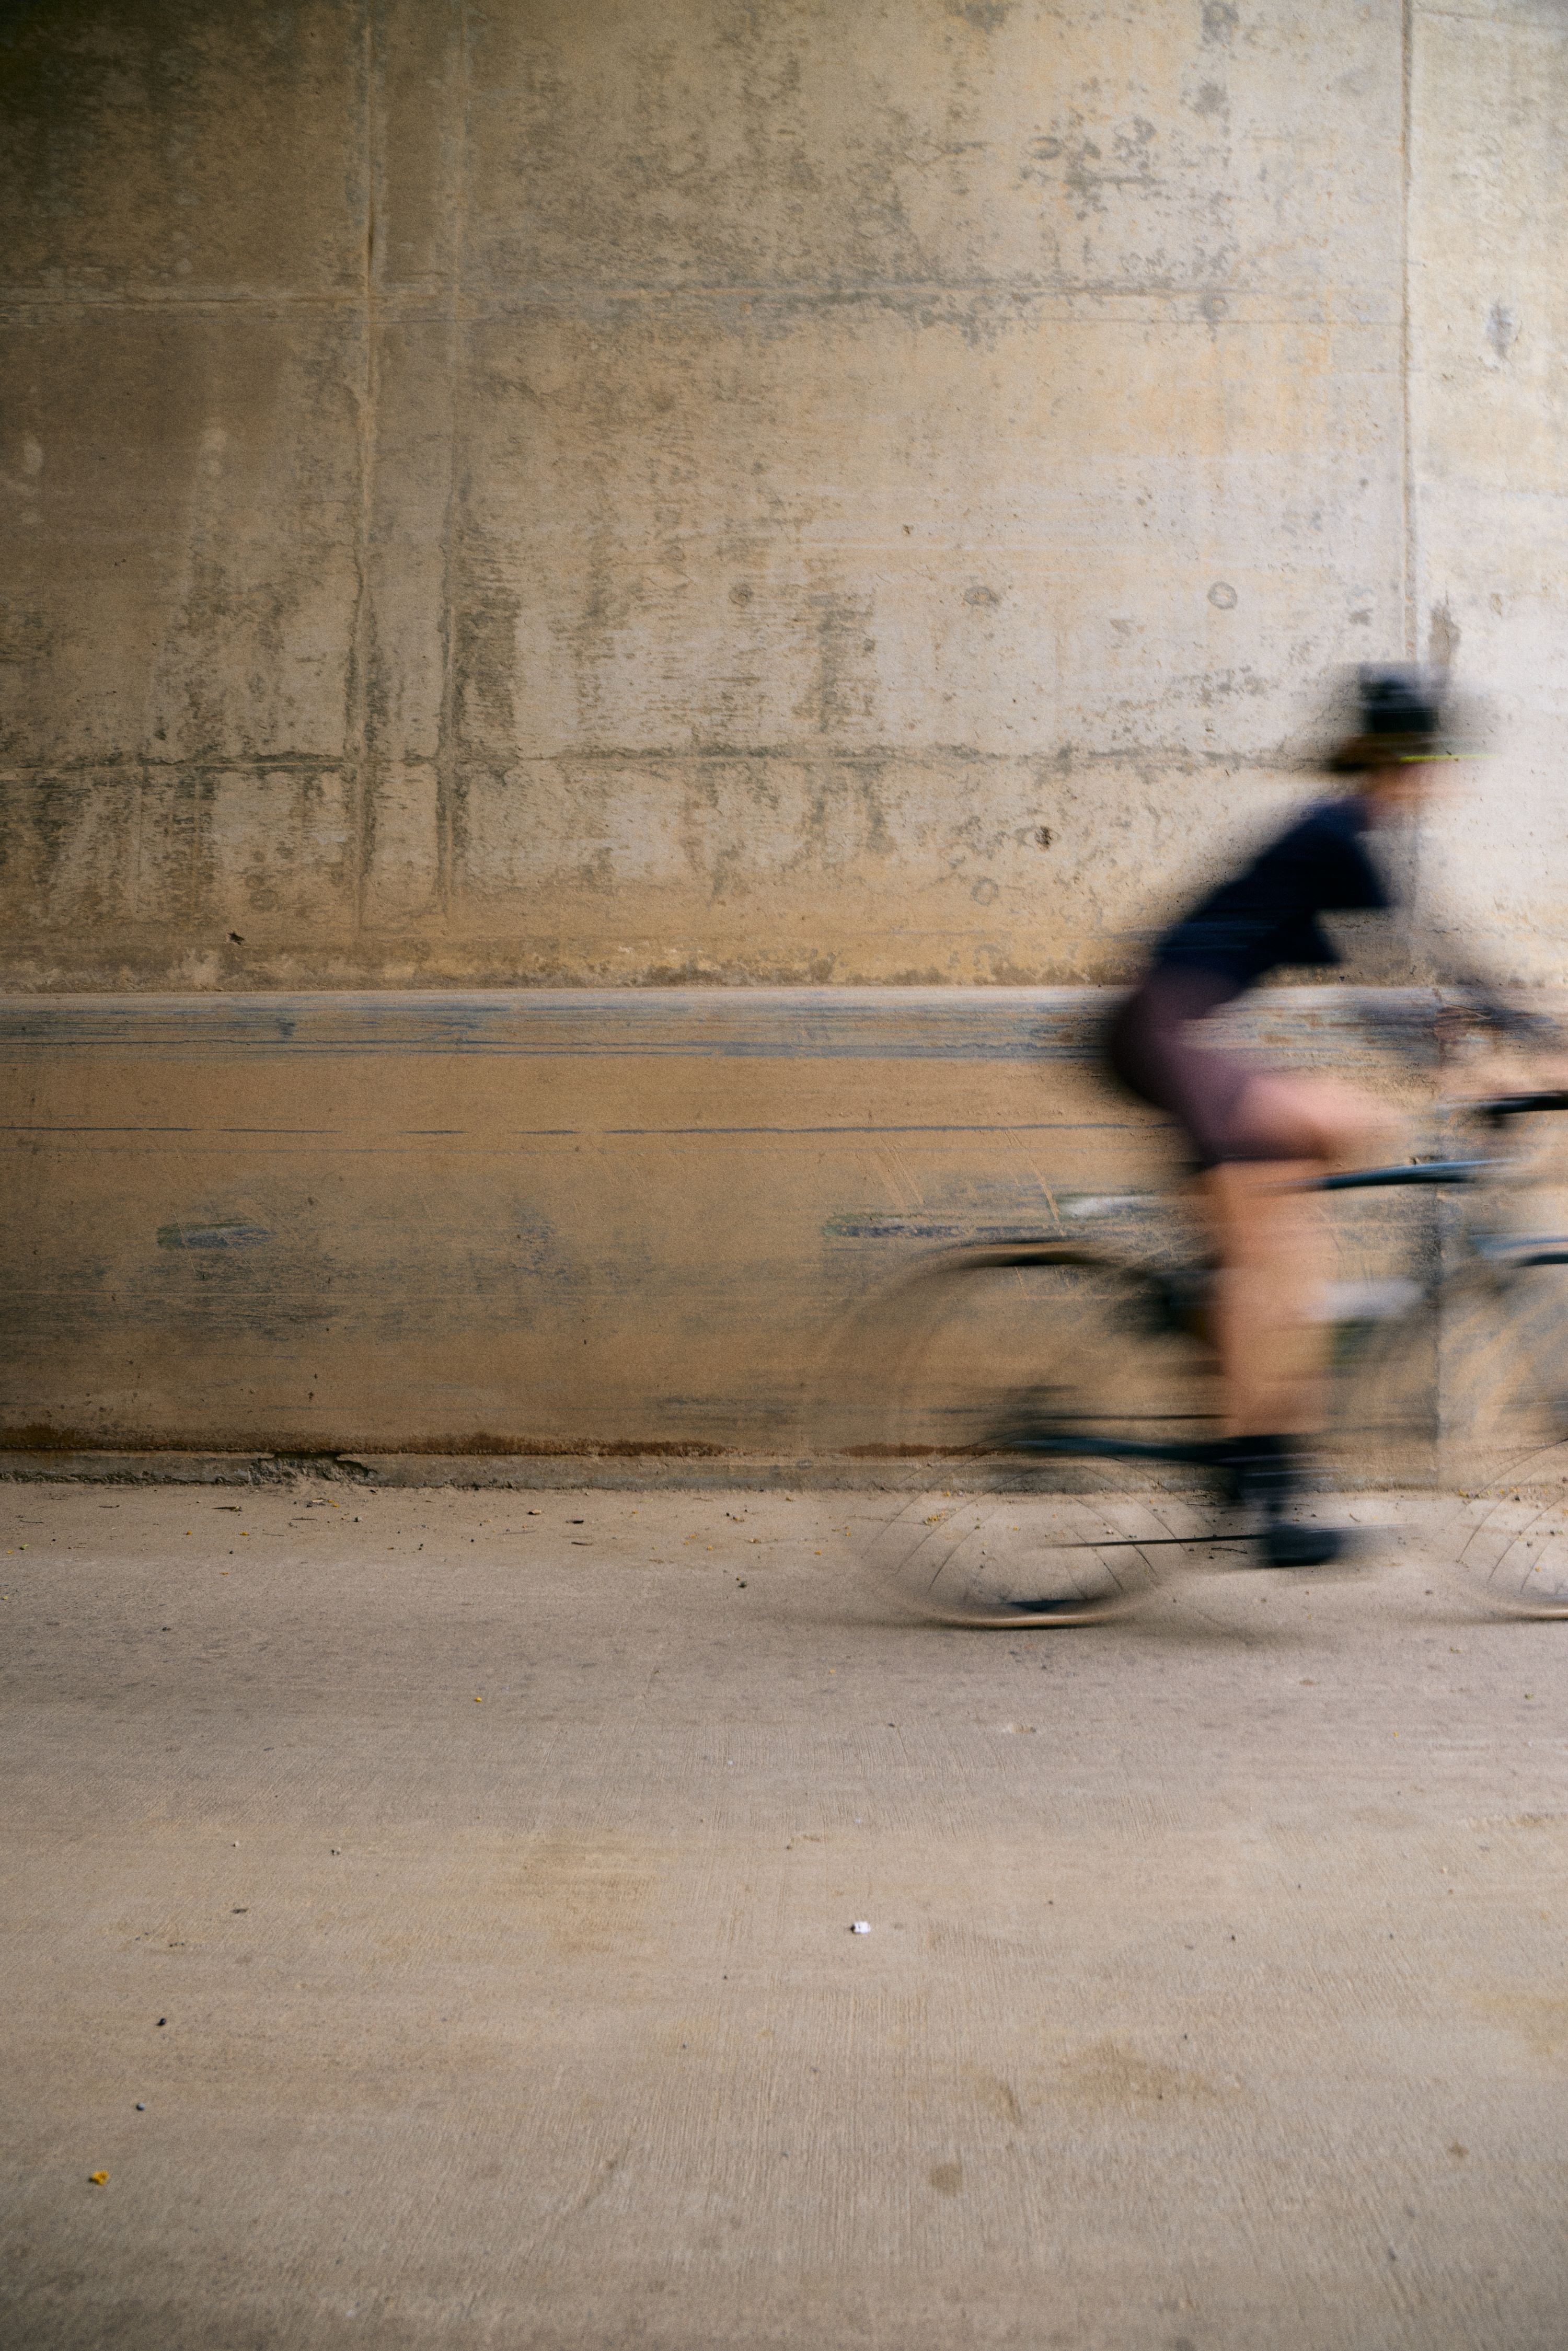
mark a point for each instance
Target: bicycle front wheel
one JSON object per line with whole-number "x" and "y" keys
{"x": 1467, "y": 1388}
{"x": 1512, "y": 1556}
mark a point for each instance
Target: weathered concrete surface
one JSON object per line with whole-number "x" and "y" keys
{"x": 538, "y": 1220}
{"x": 501, "y": 1222}
{"x": 1489, "y": 318}
{"x": 1214, "y": 1995}
{"x": 619, "y": 493}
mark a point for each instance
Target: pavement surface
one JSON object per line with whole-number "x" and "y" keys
{"x": 433, "y": 1914}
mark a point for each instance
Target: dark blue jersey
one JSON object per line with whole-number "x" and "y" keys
{"x": 1268, "y": 916}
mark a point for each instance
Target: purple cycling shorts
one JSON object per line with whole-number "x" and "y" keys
{"x": 1152, "y": 1048}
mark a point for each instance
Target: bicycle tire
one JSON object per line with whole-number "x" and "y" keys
{"x": 1012, "y": 1385}
{"x": 1469, "y": 1393}
{"x": 985, "y": 1561}
{"x": 1512, "y": 1556}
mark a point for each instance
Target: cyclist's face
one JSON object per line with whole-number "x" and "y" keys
{"x": 1398, "y": 795}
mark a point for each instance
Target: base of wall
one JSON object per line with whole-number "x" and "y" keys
{"x": 582, "y": 1473}
{"x": 555, "y": 1473}
{"x": 571, "y": 1473}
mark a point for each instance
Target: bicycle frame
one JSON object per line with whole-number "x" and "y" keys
{"x": 1176, "y": 1291}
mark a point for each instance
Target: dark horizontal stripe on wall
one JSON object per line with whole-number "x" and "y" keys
{"x": 947, "y": 1024}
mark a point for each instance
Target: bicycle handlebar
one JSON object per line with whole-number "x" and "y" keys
{"x": 1495, "y": 1109}
{"x": 1498, "y": 1107}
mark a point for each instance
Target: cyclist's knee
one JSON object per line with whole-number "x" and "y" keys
{"x": 1357, "y": 1130}
{"x": 1316, "y": 1118}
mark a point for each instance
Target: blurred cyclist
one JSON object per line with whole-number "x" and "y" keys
{"x": 1257, "y": 1132}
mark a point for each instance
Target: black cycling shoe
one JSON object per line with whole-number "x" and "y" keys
{"x": 1264, "y": 1478}
{"x": 1281, "y": 1544}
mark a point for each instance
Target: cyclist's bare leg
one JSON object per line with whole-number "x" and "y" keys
{"x": 1271, "y": 1342}
{"x": 1271, "y": 1242}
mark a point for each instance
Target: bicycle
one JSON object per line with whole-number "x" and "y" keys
{"x": 1018, "y": 1366}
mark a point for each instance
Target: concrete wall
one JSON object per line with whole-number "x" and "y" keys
{"x": 1487, "y": 380}
{"x": 848, "y": 490}
{"x": 662, "y": 1222}
{"x": 586, "y": 496}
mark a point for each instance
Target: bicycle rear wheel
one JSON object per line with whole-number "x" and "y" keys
{"x": 1043, "y": 1401}
{"x": 982, "y": 1560}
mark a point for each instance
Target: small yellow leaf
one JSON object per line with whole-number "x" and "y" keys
{"x": 97, "y": 2178}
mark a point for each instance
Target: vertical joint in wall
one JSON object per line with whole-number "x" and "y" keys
{"x": 361, "y": 728}
{"x": 447, "y": 761}
{"x": 1409, "y": 553}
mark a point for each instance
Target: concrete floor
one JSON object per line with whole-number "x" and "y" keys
{"x": 432, "y": 1913}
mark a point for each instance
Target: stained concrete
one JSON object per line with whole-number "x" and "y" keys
{"x": 1213, "y": 1996}
{"x": 558, "y": 1221}
{"x": 619, "y": 494}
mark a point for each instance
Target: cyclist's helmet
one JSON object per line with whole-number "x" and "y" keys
{"x": 1401, "y": 720}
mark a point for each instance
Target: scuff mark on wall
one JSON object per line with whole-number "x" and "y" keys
{"x": 1443, "y": 638}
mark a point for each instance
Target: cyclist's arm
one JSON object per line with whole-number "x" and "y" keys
{"x": 1434, "y": 942}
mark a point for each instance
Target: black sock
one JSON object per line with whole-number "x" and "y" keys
{"x": 1264, "y": 1472}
